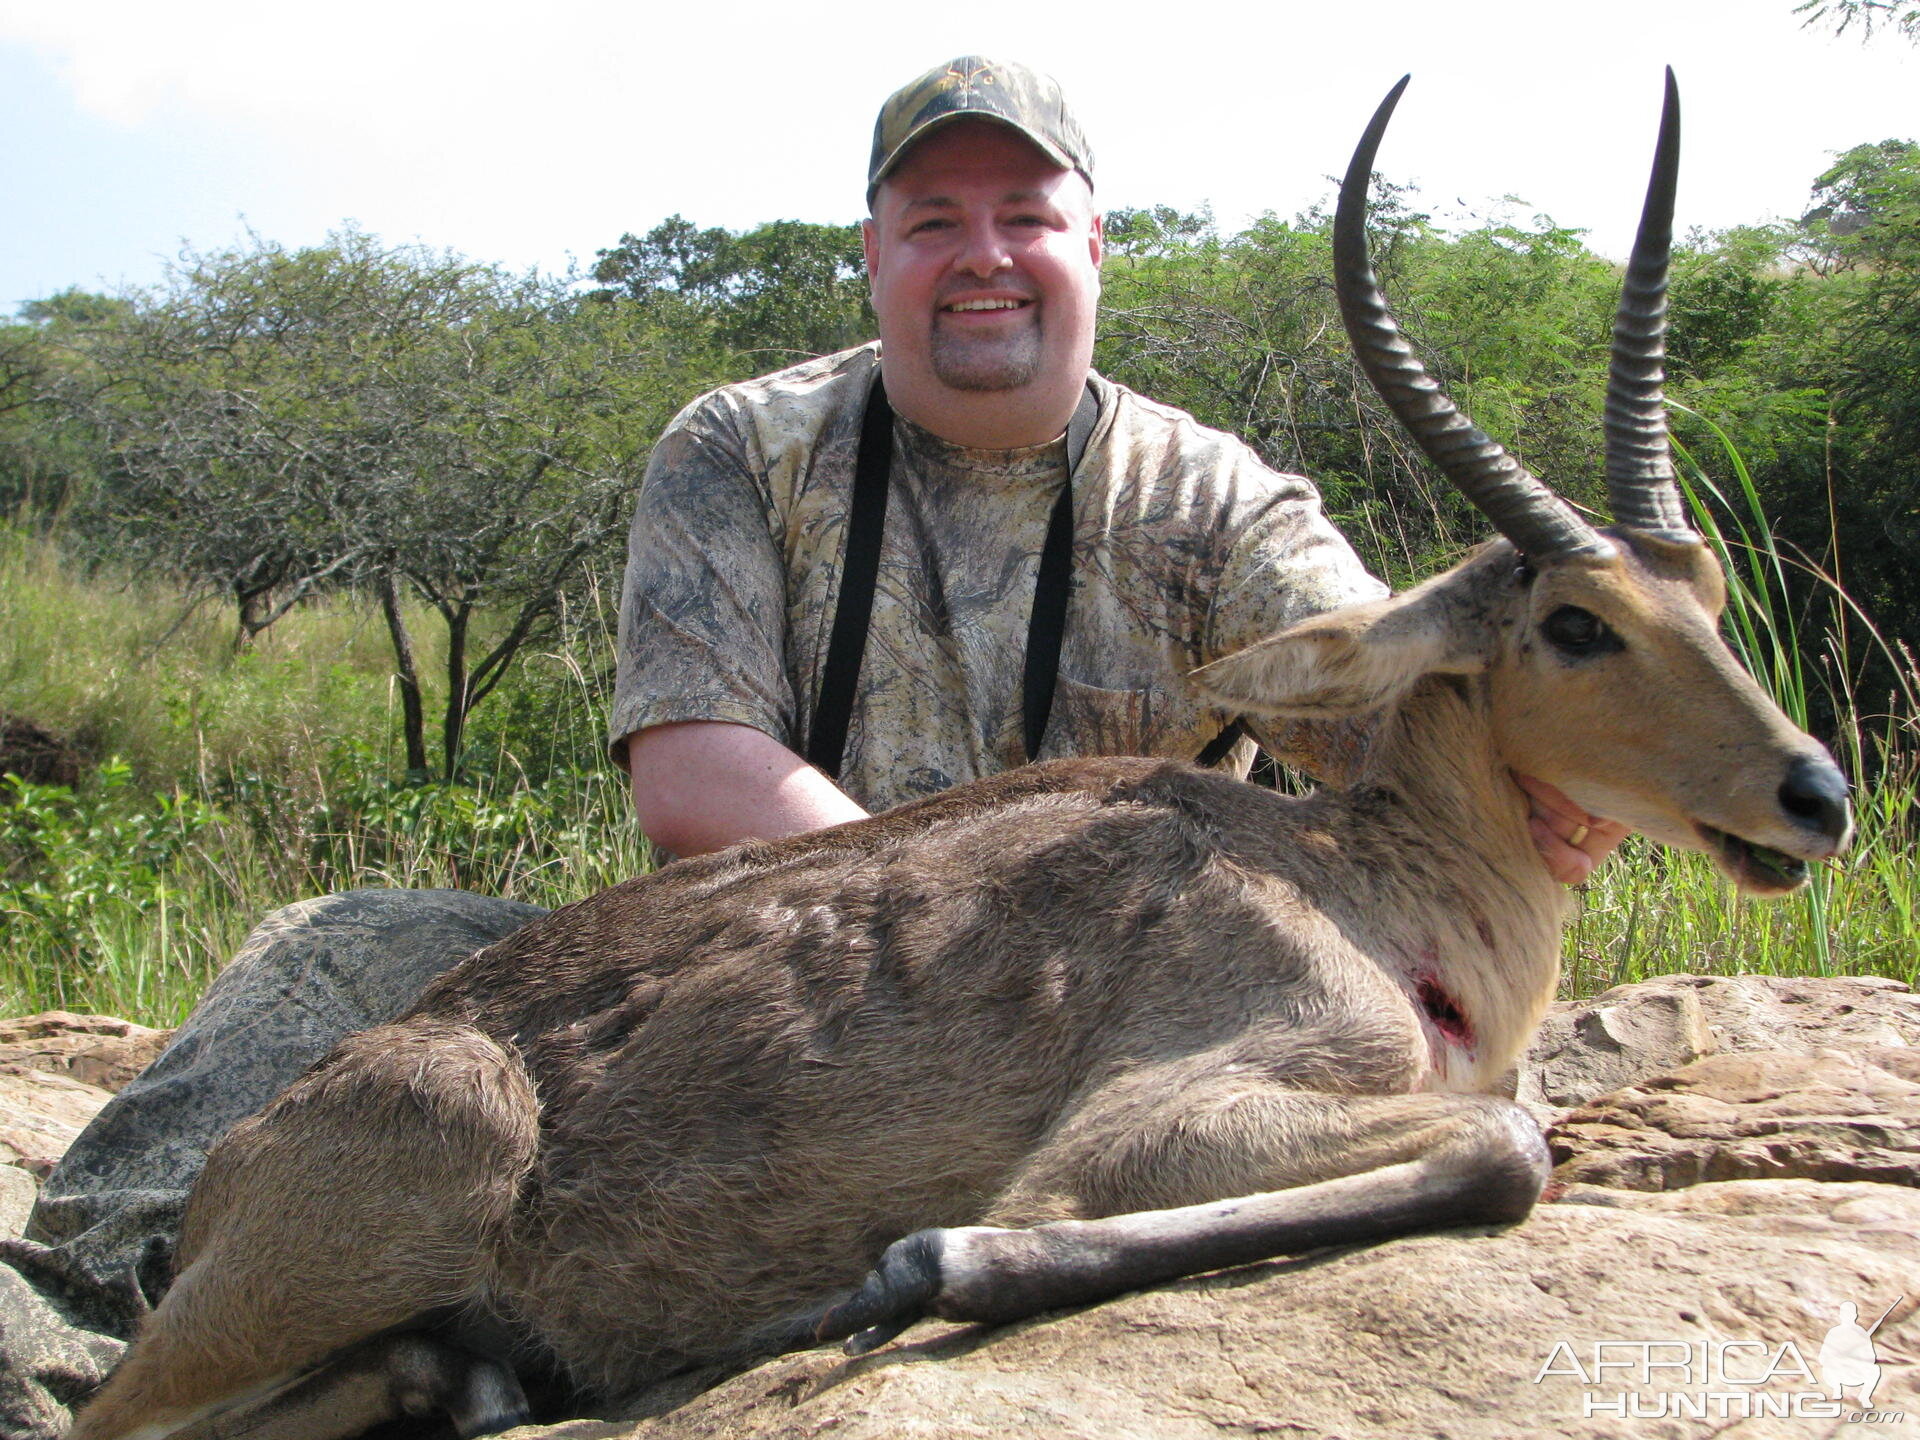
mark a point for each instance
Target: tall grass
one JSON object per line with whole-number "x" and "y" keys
{"x": 1655, "y": 911}
{"x": 222, "y": 785}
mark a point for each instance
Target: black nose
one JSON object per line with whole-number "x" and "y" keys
{"x": 1815, "y": 794}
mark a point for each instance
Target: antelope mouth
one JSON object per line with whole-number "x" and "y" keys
{"x": 1755, "y": 868}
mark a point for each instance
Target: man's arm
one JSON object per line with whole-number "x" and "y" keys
{"x": 703, "y": 784}
{"x": 702, "y": 690}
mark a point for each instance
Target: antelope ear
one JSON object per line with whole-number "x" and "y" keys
{"x": 1343, "y": 663}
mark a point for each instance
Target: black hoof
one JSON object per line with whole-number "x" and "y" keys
{"x": 895, "y": 1293}
{"x": 878, "y": 1335}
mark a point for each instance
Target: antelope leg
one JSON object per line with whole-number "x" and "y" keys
{"x": 375, "y": 1382}
{"x": 1475, "y": 1160}
{"x": 282, "y": 1269}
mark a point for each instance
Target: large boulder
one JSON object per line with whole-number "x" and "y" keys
{"x": 56, "y": 1070}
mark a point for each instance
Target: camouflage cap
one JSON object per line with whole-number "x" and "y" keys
{"x": 974, "y": 87}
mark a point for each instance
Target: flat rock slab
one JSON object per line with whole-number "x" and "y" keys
{"x": 1607, "y": 1314}
{"x": 1622, "y": 1036}
{"x": 40, "y": 1114}
{"x": 18, "y": 1191}
{"x": 97, "y": 1049}
{"x": 1828, "y": 1115}
{"x": 1439, "y": 1335}
{"x": 56, "y": 1070}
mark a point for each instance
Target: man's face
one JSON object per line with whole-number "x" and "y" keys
{"x": 984, "y": 258}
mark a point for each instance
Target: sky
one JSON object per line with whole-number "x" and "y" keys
{"x": 534, "y": 136}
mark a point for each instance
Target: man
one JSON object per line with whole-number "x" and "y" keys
{"x": 984, "y": 252}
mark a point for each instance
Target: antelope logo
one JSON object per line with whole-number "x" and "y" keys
{"x": 969, "y": 80}
{"x": 1739, "y": 1379}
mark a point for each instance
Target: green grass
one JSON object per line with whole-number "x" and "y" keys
{"x": 223, "y": 785}
{"x": 140, "y": 671}
{"x": 1654, "y": 912}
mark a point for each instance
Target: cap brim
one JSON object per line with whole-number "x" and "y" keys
{"x": 920, "y": 132}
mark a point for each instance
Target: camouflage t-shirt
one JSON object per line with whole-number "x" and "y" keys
{"x": 1185, "y": 549}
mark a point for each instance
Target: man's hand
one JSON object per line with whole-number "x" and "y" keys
{"x": 703, "y": 784}
{"x": 1571, "y": 842}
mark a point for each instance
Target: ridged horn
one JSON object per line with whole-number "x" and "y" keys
{"x": 1520, "y": 507}
{"x": 1640, "y": 485}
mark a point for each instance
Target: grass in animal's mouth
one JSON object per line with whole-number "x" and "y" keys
{"x": 1755, "y": 867}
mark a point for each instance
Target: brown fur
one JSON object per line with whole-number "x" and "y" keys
{"x": 690, "y": 1108}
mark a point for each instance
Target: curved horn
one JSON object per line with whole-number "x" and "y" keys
{"x": 1640, "y": 484}
{"x": 1521, "y": 508}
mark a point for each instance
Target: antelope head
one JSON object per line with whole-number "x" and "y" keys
{"x": 1602, "y": 667}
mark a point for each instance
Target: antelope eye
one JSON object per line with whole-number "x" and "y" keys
{"x": 1579, "y": 633}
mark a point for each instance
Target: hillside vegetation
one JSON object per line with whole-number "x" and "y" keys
{"x": 311, "y": 551}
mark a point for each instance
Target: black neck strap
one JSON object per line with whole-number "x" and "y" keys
{"x": 860, "y": 569}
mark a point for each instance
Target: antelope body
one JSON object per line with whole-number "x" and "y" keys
{"x": 1070, "y": 1030}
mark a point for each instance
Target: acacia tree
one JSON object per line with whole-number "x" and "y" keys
{"x": 410, "y": 422}
{"x": 238, "y": 448}
{"x": 544, "y": 411}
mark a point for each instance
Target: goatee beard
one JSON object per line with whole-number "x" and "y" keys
{"x": 975, "y": 362}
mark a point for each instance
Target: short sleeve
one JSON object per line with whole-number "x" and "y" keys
{"x": 1288, "y": 562}
{"x": 703, "y": 609}
{"x": 1285, "y": 562}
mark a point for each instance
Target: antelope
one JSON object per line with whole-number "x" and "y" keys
{"x": 1076, "y": 1029}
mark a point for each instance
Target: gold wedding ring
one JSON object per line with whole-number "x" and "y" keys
{"x": 1578, "y": 837}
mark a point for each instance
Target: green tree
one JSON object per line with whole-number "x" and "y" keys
{"x": 1244, "y": 332}
{"x": 1155, "y": 231}
{"x": 1802, "y": 342}
{"x": 44, "y": 462}
{"x": 1902, "y": 16}
{"x": 520, "y": 491}
{"x": 413, "y": 423}
{"x": 1864, "y": 232}
{"x": 772, "y": 295}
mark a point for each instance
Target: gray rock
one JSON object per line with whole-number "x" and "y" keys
{"x": 1633, "y": 1032}
{"x": 18, "y": 1190}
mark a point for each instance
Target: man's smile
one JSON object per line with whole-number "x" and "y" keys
{"x": 984, "y": 256}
